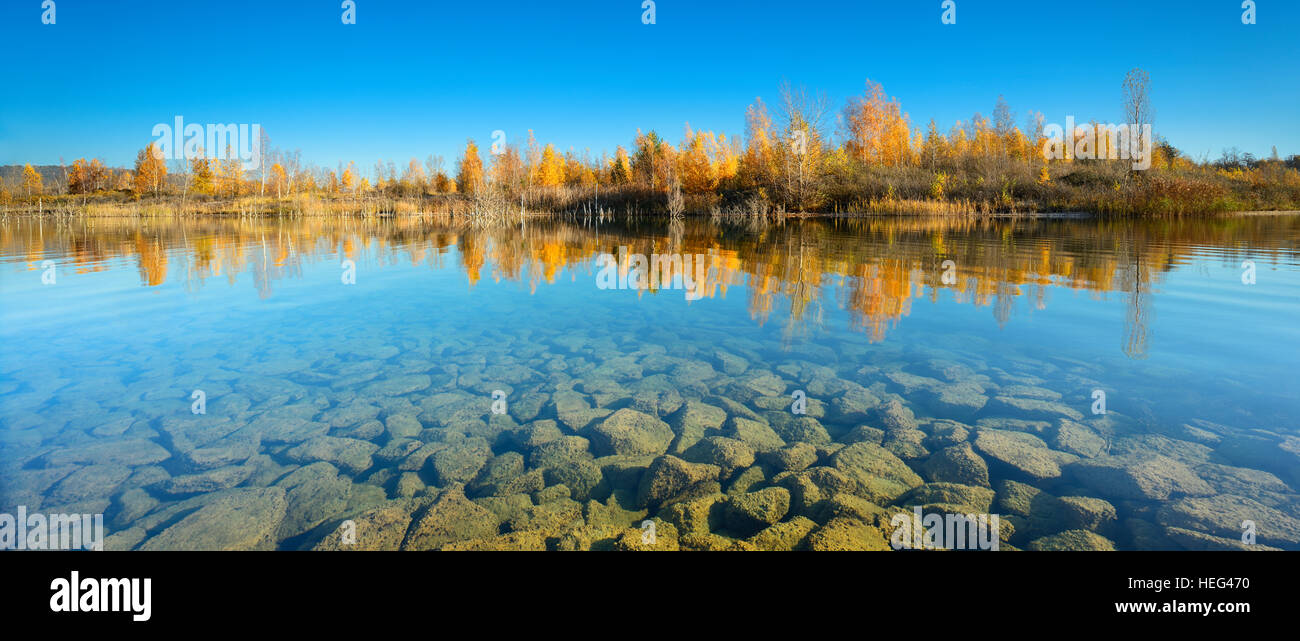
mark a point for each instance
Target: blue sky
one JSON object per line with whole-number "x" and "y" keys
{"x": 410, "y": 79}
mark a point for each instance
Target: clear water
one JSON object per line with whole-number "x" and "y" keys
{"x": 106, "y": 345}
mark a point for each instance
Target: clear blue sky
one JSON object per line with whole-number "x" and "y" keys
{"x": 410, "y": 79}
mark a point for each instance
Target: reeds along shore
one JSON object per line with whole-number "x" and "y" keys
{"x": 875, "y": 162}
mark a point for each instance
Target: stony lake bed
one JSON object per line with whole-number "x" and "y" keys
{"x": 473, "y": 389}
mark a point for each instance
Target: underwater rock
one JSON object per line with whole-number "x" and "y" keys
{"x": 498, "y": 471}
{"x": 799, "y": 429}
{"x": 864, "y": 434}
{"x": 532, "y": 541}
{"x": 559, "y": 451}
{"x": 956, "y": 400}
{"x": 755, "y": 434}
{"x": 842, "y": 533}
{"x": 129, "y": 452}
{"x": 1139, "y": 478}
{"x": 93, "y": 482}
{"x": 1077, "y": 438}
{"x": 957, "y": 464}
{"x": 451, "y": 517}
{"x": 636, "y": 540}
{"x": 693, "y": 422}
{"x": 791, "y": 458}
{"x": 906, "y": 444}
{"x": 697, "y": 516}
{"x": 786, "y": 536}
{"x": 1192, "y": 540}
{"x": 1257, "y": 484}
{"x": 459, "y": 462}
{"x": 946, "y": 433}
{"x": 726, "y": 453}
{"x": 892, "y": 415}
{"x": 581, "y": 477}
{"x": 222, "y": 453}
{"x": 853, "y": 405}
{"x": 747, "y": 480}
{"x": 277, "y": 430}
{"x": 1033, "y": 409}
{"x": 670, "y": 477}
{"x": 1023, "y": 453}
{"x": 873, "y": 472}
{"x": 379, "y": 528}
{"x": 128, "y": 506}
{"x": 1087, "y": 513}
{"x": 234, "y": 520}
{"x": 313, "y": 494}
{"x": 978, "y": 500}
{"x": 1039, "y": 428}
{"x": 210, "y": 481}
{"x": 398, "y": 385}
{"x": 730, "y": 364}
{"x": 1262, "y": 450}
{"x": 628, "y": 432}
{"x": 1223, "y": 515}
{"x": 348, "y": 454}
{"x": 349, "y": 415}
{"x": 397, "y": 450}
{"x": 1073, "y": 540}
{"x": 403, "y": 426}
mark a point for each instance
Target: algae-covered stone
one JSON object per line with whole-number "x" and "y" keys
{"x": 785, "y": 536}
{"x": 346, "y": 453}
{"x": 850, "y": 506}
{"x": 669, "y": 477}
{"x": 1077, "y": 438}
{"x": 628, "y": 432}
{"x": 799, "y": 429}
{"x": 1033, "y": 409}
{"x": 528, "y": 541}
{"x": 235, "y": 520}
{"x": 1192, "y": 540}
{"x": 874, "y": 472}
{"x": 88, "y": 483}
{"x": 209, "y": 481}
{"x": 792, "y": 458}
{"x": 752, "y": 511}
{"x": 313, "y": 493}
{"x": 581, "y": 477}
{"x": 756, "y": 434}
{"x": 945, "y": 433}
{"x": 1073, "y": 540}
{"x": 906, "y": 444}
{"x": 854, "y": 403}
{"x": 129, "y": 452}
{"x": 1223, "y": 515}
{"x": 1138, "y": 477}
{"x": 403, "y": 426}
{"x": 957, "y": 464}
{"x": 661, "y": 536}
{"x": 970, "y": 498}
{"x": 1020, "y": 452}
{"x": 847, "y": 534}
{"x": 1087, "y": 513}
{"x": 451, "y": 517}
{"x": 378, "y": 528}
{"x": 726, "y": 453}
{"x": 893, "y": 415}
{"x": 460, "y": 462}
{"x": 559, "y": 451}
{"x": 693, "y": 422}
{"x": 697, "y": 516}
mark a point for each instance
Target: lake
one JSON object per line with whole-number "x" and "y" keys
{"x": 422, "y": 382}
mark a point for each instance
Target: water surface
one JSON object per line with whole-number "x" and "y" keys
{"x": 329, "y": 398}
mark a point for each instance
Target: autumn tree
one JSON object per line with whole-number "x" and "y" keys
{"x": 150, "y": 171}
{"x": 551, "y": 171}
{"x": 32, "y": 183}
{"x": 469, "y": 171}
